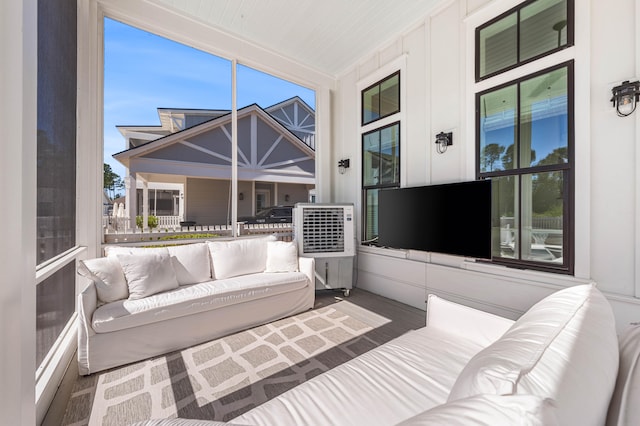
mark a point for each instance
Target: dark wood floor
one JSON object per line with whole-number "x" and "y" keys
{"x": 391, "y": 318}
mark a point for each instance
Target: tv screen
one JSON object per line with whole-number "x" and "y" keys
{"x": 453, "y": 218}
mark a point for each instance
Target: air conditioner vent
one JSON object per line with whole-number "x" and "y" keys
{"x": 323, "y": 230}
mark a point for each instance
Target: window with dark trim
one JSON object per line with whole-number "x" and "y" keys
{"x": 381, "y": 99}
{"x": 523, "y": 34}
{"x": 525, "y": 140}
{"x": 525, "y": 134}
{"x": 380, "y": 169}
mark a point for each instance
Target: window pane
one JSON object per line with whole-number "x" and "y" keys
{"x": 271, "y": 151}
{"x": 381, "y": 99}
{"x": 390, "y": 154}
{"x": 544, "y": 119}
{"x": 542, "y": 27}
{"x": 390, "y": 96}
{"x": 370, "y": 105}
{"x": 56, "y": 171}
{"x": 498, "y": 129}
{"x": 371, "y": 214}
{"x": 55, "y": 304}
{"x": 542, "y": 213}
{"x": 505, "y": 216}
{"x": 371, "y": 158}
{"x": 498, "y": 45}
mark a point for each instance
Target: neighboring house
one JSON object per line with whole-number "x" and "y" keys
{"x": 183, "y": 167}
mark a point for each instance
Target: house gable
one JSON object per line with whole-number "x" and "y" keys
{"x": 263, "y": 144}
{"x": 298, "y": 117}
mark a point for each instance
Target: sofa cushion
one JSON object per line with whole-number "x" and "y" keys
{"x": 191, "y": 263}
{"x": 116, "y": 250}
{"x": 239, "y": 257}
{"x": 191, "y": 299}
{"x": 282, "y": 256}
{"x": 147, "y": 274}
{"x": 489, "y": 410}
{"x": 565, "y": 347}
{"x": 108, "y": 277}
{"x": 624, "y": 408}
{"x": 384, "y": 386}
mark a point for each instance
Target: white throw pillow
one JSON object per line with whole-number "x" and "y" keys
{"x": 564, "y": 347}
{"x": 489, "y": 410}
{"x": 108, "y": 277}
{"x": 147, "y": 274}
{"x": 239, "y": 257}
{"x": 191, "y": 263}
{"x": 282, "y": 256}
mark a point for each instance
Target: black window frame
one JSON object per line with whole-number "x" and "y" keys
{"x": 570, "y": 30}
{"x": 568, "y": 170}
{"x": 378, "y": 186}
{"x": 379, "y": 83}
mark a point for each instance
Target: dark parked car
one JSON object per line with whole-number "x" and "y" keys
{"x": 277, "y": 214}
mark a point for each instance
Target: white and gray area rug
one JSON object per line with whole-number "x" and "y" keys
{"x": 224, "y": 378}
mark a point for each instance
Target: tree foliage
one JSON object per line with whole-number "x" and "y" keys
{"x": 112, "y": 182}
{"x": 490, "y": 154}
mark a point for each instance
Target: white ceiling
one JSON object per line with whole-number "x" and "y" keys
{"x": 326, "y": 35}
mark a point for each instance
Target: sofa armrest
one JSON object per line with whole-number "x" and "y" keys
{"x": 307, "y": 265}
{"x": 87, "y": 304}
{"x": 472, "y": 324}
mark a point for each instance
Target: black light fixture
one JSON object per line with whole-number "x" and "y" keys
{"x": 443, "y": 140}
{"x": 241, "y": 196}
{"x": 625, "y": 97}
{"x": 343, "y": 165}
{"x": 286, "y": 198}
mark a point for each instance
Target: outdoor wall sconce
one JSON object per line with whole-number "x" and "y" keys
{"x": 343, "y": 165}
{"x": 241, "y": 196}
{"x": 443, "y": 140}
{"x": 286, "y": 198}
{"x": 625, "y": 97}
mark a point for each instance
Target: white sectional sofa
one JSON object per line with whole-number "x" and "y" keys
{"x": 144, "y": 302}
{"x": 556, "y": 365}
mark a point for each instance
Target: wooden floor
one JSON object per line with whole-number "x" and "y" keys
{"x": 394, "y": 319}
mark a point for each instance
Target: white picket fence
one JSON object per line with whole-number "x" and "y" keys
{"x": 118, "y": 229}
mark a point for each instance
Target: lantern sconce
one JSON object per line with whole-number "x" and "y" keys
{"x": 241, "y": 196}
{"x": 443, "y": 140}
{"x": 625, "y": 97}
{"x": 343, "y": 165}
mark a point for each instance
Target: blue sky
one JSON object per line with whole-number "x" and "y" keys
{"x": 144, "y": 72}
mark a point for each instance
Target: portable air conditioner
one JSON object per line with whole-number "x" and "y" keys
{"x": 326, "y": 232}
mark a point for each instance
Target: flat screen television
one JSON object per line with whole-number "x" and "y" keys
{"x": 453, "y": 218}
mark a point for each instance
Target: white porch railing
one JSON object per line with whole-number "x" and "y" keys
{"x": 117, "y": 230}
{"x": 169, "y": 221}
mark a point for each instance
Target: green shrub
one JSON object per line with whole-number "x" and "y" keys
{"x": 187, "y": 236}
{"x": 152, "y": 221}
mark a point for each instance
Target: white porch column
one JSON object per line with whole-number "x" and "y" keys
{"x": 145, "y": 205}
{"x": 131, "y": 199}
{"x": 18, "y": 159}
{"x": 181, "y": 205}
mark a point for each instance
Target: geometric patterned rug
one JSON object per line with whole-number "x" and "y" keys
{"x": 223, "y": 378}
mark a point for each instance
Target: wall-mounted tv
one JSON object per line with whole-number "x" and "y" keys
{"x": 453, "y": 218}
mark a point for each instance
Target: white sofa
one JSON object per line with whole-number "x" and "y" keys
{"x": 144, "y": 302}
{"x": 556, "y": 365}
